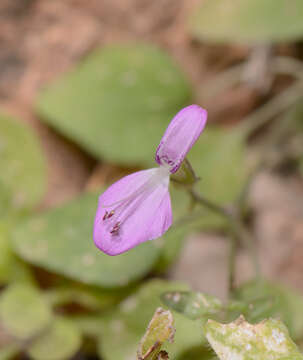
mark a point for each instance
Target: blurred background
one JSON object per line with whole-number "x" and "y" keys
{"x": 86, "y": 90}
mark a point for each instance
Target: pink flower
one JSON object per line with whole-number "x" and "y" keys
{"x": 137, "y": 208}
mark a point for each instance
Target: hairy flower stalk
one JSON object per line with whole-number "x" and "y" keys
{"x": 137, "y": 208}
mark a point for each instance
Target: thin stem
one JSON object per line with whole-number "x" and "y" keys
{"x": 209, "y": 204}
{"x": 234, "y": 75}
{"x": 223, "y": 81}
{"x": 258, "y": 72}
{"x": 288, "y": 66}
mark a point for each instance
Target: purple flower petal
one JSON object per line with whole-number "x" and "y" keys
{"x": 179, "y": 137}
{"x": 135, "y": 209}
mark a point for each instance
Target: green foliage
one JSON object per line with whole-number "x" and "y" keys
{"x": 218, "y": 158}
{"x": 23, "y": 311}
{"x": 60, "y": 342}
{"x": 88, "y": 297}
{"x": 249, "y": 21}
{"x": 5, "y": 199}
{"x": 118, "y": 103}
{"x": 60, "y": 240}
{"x": 129, "y": 321}
{"x": 6, "y": 255}
{"x": 22, "y": 182}
{"x": 242, "y": 341}
{"x": 171, "y": 244}
{"x": 193, "y": 305}
{"x": 159, "y": 330}
{"x": 12, "y": 269}
{"x": 264, "y": 299}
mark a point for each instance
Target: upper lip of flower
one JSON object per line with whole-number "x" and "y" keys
{"x": 180, "y": 135}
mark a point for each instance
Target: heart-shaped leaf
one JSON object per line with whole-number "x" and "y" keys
{"x": 118, "y": 103}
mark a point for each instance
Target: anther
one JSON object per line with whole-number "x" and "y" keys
{"x": 105, "y": 216}
{"x": 115, "y": 229}
{"x": 108, "y": 215}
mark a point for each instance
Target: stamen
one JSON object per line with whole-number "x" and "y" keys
{"x": 108, "y": 215}
{"x": 105, "y": 215}
{"x": 124, "y": 208}
{"x": 115, "y": 229}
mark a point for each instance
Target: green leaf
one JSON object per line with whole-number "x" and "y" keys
{"x": 5, "y": 200}
{"x": 159, "y": 330}
{"x": 193, "y": 305}
{"x": 23, "y": 311}
{"x": 23, "y": 167}
{"x": 60, "y": 342}
{"x": 218, "y": 157}
{"x": 249, "y": 21}
{"x": 60, "y": 240}
{"x": 12, "y": 269}
{"x": 171, "y": 244}
{"x": 118, "y": 103}
{"x": 128, "y": 322}
{"x": 243, "y": 341}
{"x": 6, "y": 254}
{"x": 265, "y": 299}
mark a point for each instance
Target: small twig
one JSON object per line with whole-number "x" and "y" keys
{"x": 288, "y": 66}
{"x": 223, "y": 81}
{"x": 232, "y": 76}
{"x": 209, "y": 204}
{"x": 258, "y": 70}
{"x": 265, "y": 113}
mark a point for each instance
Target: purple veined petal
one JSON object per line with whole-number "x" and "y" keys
{"x": 182, "y": 132}
{"x": 135, "y": 209}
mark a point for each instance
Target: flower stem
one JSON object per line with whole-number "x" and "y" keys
{"x": 209, "y": 204}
